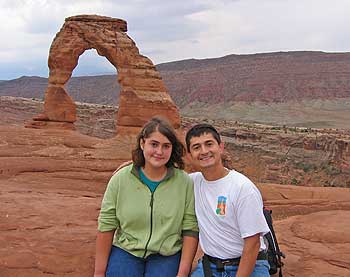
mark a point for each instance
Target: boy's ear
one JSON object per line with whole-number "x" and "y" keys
{"x": 222, "y": 147}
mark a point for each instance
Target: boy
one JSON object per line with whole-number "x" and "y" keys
{"x": 229, "y": 211}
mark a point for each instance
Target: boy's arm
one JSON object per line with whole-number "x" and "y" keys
{"x": 124, "y": 164}
{"x": 249, "y": 255}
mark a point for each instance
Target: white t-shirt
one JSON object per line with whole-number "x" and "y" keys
{"x": 228, "y": 210}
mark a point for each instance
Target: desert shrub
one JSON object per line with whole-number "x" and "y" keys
{"x": 276, "y": 128}
{"x": 306, "y": 167}
{"x": 331, "y": 169}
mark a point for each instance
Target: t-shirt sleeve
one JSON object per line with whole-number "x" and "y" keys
{"x": 250, "y": 217}
{"x": 193, "y": 175}
{"x": 107, "y": 220}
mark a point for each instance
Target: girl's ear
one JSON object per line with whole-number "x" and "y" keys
{"x": 142, "y": 144}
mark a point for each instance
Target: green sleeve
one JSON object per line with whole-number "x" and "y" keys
{"x": 189, "y": 224}
{"x": 107, "y": 219}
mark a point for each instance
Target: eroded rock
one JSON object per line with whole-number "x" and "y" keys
{"x": 142, "y": 91}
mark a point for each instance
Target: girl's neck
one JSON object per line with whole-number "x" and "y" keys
{"x": 154, "y": 174}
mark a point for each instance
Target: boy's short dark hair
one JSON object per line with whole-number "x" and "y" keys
{"x": 200, "y": 129}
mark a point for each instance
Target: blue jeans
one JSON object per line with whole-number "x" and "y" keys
{"x": 121, "y": 263}
{"x": 261, "y": 269}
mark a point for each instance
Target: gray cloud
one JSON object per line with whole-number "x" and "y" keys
{"x": 172, "y": 30}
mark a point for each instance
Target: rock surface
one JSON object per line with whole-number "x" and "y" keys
{"x": 52, "y": 182}
{"x": 270, "y": 154}
{"x": 264, "y": 77}
{"x": 142, "y": 91}
{"x": 303, "y": 88}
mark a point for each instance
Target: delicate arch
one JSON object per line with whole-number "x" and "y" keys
{"x": 142, "y": 91}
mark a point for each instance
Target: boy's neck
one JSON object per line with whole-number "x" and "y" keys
{"x": 213, "y": 174}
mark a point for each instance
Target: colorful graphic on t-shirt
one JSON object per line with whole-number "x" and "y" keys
{"x": 221, "y": 207}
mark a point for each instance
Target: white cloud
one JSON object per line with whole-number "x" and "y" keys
{"x": 171, "y": 30}
{"x": 265, "y": 26}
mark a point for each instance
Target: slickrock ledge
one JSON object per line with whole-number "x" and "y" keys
{"x": 142, "y": 91}
{"x": 52, "y": 183}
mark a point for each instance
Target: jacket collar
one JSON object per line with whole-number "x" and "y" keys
{"x": 170, "y": 172}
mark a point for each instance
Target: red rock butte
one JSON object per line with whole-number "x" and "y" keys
{"x": 142, "y": 91}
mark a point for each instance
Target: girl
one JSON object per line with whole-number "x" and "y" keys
{"x": 147, "y": 224}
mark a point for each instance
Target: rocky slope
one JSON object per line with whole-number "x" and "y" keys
{"x": 269, "y": 77}
{"x": 92, "y": 119}
{"x": 102, "y": 89}
{"x": 306, "y": 89}
{"x": 52, "y": 182}
{"x": 272, "y": 154}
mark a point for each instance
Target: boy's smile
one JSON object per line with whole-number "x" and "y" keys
{"x": 205, "y": 151}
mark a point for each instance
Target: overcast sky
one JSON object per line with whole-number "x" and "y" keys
{"x": 169, "y": 30}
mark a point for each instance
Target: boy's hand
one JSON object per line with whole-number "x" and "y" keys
{"x": 124, "y": 164}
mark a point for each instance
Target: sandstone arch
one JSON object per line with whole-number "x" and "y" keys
{"x": 142, "y": 91}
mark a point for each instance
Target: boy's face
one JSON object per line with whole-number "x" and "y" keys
{"x": 205, "y": 151}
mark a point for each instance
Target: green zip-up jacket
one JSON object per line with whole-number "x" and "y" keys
{"x": 148, "y": 223}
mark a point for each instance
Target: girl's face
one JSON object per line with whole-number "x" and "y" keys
{"x": 156, "y": 149}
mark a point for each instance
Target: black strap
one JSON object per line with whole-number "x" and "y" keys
{"x": 206, "y": 260}
{"x": 206, "y": 266}
{"x": 271, "y": 238}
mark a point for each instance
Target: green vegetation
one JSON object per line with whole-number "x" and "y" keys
{"x": 306, "y": 167}
{"x": 331, "y": 170}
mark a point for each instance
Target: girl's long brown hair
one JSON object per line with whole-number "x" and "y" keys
{"x": 162, "y": 126}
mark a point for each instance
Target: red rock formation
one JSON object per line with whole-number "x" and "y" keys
{"x": 267, "y": 77}
{"x": 52, "y": 184}
{"x": 142, "y": 94}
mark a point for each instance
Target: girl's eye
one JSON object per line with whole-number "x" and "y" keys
{"x": 154, "y": 144}
{"x": 167, "y": 146}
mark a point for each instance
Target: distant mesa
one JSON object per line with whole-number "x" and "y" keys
{"x": 142, "y": 91}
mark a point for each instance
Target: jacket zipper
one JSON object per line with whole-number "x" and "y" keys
{"x": 151, "y": 227}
